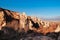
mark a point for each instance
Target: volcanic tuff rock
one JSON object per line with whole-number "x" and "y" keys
{"x": 21, "y": 22}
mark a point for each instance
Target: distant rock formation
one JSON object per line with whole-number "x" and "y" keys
{"x": 22, "y": 22}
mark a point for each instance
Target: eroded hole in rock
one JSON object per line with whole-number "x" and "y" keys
{"x": 36, "y": 25}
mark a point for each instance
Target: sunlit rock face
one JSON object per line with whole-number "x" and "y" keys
{"x": 21, "y": 22}
{"x": 2, "y": 20}
{"x": 19, "y": 26}
{"x": 9, "y": 19}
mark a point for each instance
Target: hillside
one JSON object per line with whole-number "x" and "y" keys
{"x": 19, "y": 26}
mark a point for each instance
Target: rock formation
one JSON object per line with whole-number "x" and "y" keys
{"x": 22, "y": 27}
{"x": 22, "y": 22}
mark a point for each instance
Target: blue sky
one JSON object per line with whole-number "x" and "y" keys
{"x": 39, "y": 8}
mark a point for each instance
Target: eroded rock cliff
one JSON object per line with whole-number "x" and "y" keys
{"x": 19, "y": 22}
{"x": 19, "y": 26}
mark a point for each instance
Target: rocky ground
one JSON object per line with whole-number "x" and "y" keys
{"x": 10, "y": 34}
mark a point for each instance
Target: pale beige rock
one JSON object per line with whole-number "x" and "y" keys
{"x": 46, "y": 24}
{"x": 1, "y": 16}
{"x": 57, "y": 29}
{"x": 15, "y": 15}
{"x": 2, "y": 23}
{"x": 22, "y": 21}
{"x": 30, "y": 25}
